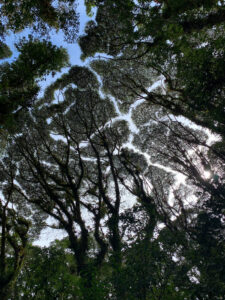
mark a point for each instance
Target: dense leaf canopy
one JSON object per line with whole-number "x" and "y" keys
{"x": 40, "y": 15}
{"x": 125, "y": 155}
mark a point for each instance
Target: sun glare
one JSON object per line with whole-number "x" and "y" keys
{"x": 207, "y": 174}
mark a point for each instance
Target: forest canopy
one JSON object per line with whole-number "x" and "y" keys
{"x": 124, "y": 153}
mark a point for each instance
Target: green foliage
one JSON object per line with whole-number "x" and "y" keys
{"x": 5, "y": 52}
{"x": 169, "y": 244}
{"x": 42, "y": 57}
{"x": 40, "y": 15}
{"x": 20, "y": 224}
{"x": 181, "y": 40}
{"x": 48, "y": 273}
{"x": 19, "y": 79}
{"x": 90, "y": 4}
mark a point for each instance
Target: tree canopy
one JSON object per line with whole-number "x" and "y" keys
{"x": 183, "y": 41}
{"x": 19, "y": 80}
{"x": 124, "y": 154}
{"x": 37, "y": 57}
{"x": 40, "y": 15}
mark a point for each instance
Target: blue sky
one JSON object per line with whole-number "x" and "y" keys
{"x": 73, "y": 49}
{"x": 57, "y": 39}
